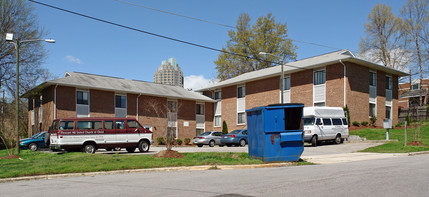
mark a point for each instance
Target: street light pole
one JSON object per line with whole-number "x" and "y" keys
{"x": 282, "y": 75}
{"x": 17, "y": 43}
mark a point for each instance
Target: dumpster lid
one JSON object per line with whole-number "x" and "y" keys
{"x": 276, "y": 106}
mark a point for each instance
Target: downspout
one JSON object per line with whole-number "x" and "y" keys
{"x": 137, "y": 113}
{"x": 55, "y": 102}
{"x": 344, "y": 83}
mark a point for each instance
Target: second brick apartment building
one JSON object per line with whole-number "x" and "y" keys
{"x": 335, "y": 79}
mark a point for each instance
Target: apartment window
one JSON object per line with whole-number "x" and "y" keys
{"x": 199, "y": 132}
{"x": 388, "y": 112}
{"x": 415, "y": 86}
{"x": 321, "y": 104}
{"x": 217, "y": 95}
{"x": 372, "y": 109}
{"x": 388, "y": 82}
{"x": 200, "y": 109}
{"x": 82, "y": 97}
{"x": 241, "y": 92}
{"x": 286, "y": 83}
{"x": 372, "y": 78}
{"x": 217, "y": 121}
{"x": 319, "y": 77}
{"x": 241, "y": 118}
{"x": 120, "y": 101}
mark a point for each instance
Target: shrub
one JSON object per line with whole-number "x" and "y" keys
{"x": 347, "y": 114}
{"x": 356, "y": 123}
{"x": 373, "y": 120}
{"x": 179, "y": 142}
{"x": 187, "y": 141}
{"x": 224, "y": 128}
{"x": 364, "y": 123}
{"x": 160, "y": 141}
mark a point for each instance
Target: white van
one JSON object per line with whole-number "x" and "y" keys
{"x": 323, "y": 124}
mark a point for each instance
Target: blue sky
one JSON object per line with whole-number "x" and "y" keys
{"x": 89, "y": 46}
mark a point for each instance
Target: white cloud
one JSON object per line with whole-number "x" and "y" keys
{"x": 195, "y": 82}
{"x": 72, "y": 59}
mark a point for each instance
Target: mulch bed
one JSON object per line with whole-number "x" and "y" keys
{"x": 415, "y": 143}
{"x": 168, "y": 154}
{"x": 10, "y": 157}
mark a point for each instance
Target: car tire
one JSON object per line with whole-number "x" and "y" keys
{"x": 314, "y": 141}
{"x": 242, "y": 143}
{"x": 337, "y": 139}
{"x": 33, "y": 147}
{"x": 131, "y": 150}
{"x": 229, "y": 145}
{"x": 144, "y": 146}
{"x": 200, "y": 145}
{"x": 221, "y": 145}
{"x": 212, "y": 143}
{"x": 89, "y": 148}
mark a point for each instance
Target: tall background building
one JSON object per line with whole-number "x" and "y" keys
{"x": 169, "y": 73}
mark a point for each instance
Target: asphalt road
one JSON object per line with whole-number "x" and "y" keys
{"x": 400, "y": 176}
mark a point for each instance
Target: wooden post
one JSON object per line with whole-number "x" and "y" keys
{"x": 405, "y": 136}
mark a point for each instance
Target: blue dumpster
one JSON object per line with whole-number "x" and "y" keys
{"x": 275, "y": 132}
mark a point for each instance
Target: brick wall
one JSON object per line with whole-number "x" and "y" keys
{"x": 102, "y": 103}
{"x": 358, "y": 92}
{"x": 262, "y": 92}
{"x": 66, "y": 103}
{"x": 153, "y": 111}
{"x": 186, "y": 113}
{"x": 335, "y": 85}
{"x": 301, "y": 90}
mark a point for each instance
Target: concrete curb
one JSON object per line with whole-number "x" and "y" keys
{"x": 418, "y": 153}
{"x": 187, "y": 168}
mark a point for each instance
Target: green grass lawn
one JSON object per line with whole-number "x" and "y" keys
{"x": 37, "y": 163}
{"x": 398, "y": 134}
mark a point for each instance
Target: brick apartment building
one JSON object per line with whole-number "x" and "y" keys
{"x": 335, "y": 79}
{"x": 160, "y": 108}
{"x": 409, "y": 93}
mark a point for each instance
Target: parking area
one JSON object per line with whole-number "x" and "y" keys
{"x": 325, "y": 149}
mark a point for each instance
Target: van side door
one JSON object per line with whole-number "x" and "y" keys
{"x": 337, "y": 126}
{"x": 121, "y": 131}
{"x": 109, "y": 131}
{"x": 133, "y": 131}
{"x": 328, "y": 128}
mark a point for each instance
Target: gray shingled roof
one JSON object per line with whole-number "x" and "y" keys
{"x": 308, "y": 63}
{"x": 90, "y": 81}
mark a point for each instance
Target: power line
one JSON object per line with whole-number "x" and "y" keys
{"x": 216, "y": 23}
{"x": 169, "y": 38}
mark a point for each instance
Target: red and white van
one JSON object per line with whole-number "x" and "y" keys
{"x": 90, "y": 134}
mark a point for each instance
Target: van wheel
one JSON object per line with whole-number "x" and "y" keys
{"x": 89, "y": 148}
{"x": 338, "y": 139}
{"x": 314, "y": 141}
{"x": 144, "y": 146}
{"x": 131, "y": 150}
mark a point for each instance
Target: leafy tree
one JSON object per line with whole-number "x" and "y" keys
{"x": 383, "y": 40}
{"x": 241, "y": 54}
{"x": 16, "y": 17}
{"x": 415, "y": 16}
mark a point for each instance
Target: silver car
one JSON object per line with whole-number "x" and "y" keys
{"x": 210, "y": 138}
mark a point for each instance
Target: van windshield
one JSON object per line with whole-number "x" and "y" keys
{"x": 308, "y": 121}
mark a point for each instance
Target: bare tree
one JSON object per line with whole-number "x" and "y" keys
{"x": 383, "y": 39}
{"x": 16, "y": 17}
{"x": 414, "y": 14}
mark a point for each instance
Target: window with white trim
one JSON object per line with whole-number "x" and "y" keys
{"x": 388, "y": 82}
{"x": 120, "y": 101}
{"x": 199, "y": 109}
{"x": 218, "y": 95}
{"x": 372, "y": 78}
{"x": 319, "y": 77}
{"x": 372, "y": 109}
{"x": 82, "y": 103}
{"x": 388, "y": 112}
{"x": 241, "y": 118}
{"x": 217, "y": 121}
{"x": 241, "y": 91}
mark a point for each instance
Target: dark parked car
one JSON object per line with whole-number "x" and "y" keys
{"x": 35, "y": 142}
{"x": 210, "y": 138}
{"x": 236, "y": 137}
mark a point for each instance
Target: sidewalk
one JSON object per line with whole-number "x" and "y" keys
{"x": 350, "y": 157}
